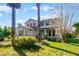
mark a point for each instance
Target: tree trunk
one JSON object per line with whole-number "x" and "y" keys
{"x": 38, "y": 15}
{"x": 13, "y": 24}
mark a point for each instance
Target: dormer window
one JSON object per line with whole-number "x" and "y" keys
{"x": 42, "y": 23}
{"x": 28, "y": 25}
{"x": 52, "y": 22}
{"x": 47, "y": 23}
{"x": 33, "y": 24}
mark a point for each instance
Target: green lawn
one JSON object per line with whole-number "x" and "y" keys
{"x": 50, "y": 49}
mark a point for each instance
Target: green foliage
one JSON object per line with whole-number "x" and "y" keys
{"x": 76, "y": 25}
{"x": 73, "y": 40}
{"x": 1, "y": 32}
{"x": 70, "y": 38}
{"x": 5, "y": 33}
{"x": 25, "y": 41}
{"x": 68, "y": 35}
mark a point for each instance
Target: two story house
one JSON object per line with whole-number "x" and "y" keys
{"x": 48, "y": 28}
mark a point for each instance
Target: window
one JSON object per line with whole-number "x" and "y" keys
{"x": 47, "y": 23}
{"x": 33, "y": 24}
{"x": 53, "y": 34}
{"x": 28, "y": 25}
{"x": 49, "y": 33}
{"x": 25, "y": 32}
{"x": 52, "y": 22}
{"x": 42, "y": 23}
{"x": 20, "y": 33}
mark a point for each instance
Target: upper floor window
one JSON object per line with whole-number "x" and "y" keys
{"x": 42, "y": 23}
{"x": 33, "y": 24}
{"x": 52, "y": 22}
{"x": 47, "y": 23}
{"x": 28, "y": 25}
{"x": 20, "y": 33}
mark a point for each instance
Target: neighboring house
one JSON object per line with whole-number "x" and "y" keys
{"x": 48, "y": 28}
{"x": 28, "y": 30}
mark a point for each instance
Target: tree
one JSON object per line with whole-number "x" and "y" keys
{"x": 4, "y": 33}
{"x": 7, "y": 31}
{"x": 67, "y": 13}
{"x": 1, "y": 36}
{"x": 38, "y": 17}
{"x": 13, "y": 6}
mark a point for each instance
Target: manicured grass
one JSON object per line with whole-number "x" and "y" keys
{"x": 49, "y": 49}
{"x": 7, "y": 51}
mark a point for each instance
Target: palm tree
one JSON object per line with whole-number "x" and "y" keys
{"x": 14, "y": 6}
{"x": 38, "y": 17}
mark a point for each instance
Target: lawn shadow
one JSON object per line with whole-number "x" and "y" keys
{"x": 61, "y": 49}
{"x": 31, "y": 48}
{"x": 19, "y": 51}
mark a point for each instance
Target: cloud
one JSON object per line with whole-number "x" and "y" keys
{"x": 22, "y": 21}
{"x": 1, "y": 14}
{"x": 5, "y": 8}
{"x": 21, "y": 10}
{"x": 48, "y": 16}
{"x": 44, "y": 8}
{"x": 34, "y": 7}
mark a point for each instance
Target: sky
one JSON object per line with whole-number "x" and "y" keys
{"x": 29, "y": 10}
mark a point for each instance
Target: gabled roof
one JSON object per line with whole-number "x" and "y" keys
{"x": 25, "y": 27}
{"x": 30, "y": 20}
{"x": 50, "y": 19}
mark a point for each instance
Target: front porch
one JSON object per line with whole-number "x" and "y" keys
{"x": 49, "y": 33}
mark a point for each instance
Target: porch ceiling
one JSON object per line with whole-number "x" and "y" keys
{"x": 48, "y": 27}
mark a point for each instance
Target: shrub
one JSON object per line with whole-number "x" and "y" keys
{"x": 25, "y": 41}
{"x": 70, "y": 38}
{"x": 73, "y": 40}
{"x": 5, "y": 44}
{"x": 52, "y": 39}
{"x": 44, "y": 42}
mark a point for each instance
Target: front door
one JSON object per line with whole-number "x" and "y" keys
{"x": 51, "y": 32}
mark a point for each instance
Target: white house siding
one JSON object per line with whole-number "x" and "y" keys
{"x": 26, "y": 31}
{"x": 31, "y": 22}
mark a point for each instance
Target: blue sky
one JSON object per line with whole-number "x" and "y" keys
{"x": 28, "y": 10}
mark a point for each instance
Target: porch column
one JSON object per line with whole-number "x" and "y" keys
{"x": 44, "y": 23}
{"x": 51, "y": 32}
{"x": 45, "y": 32}
{"x": 50, "y": 22}
{"x": 24, "y": 32}
{"x": 56, "y": 32}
